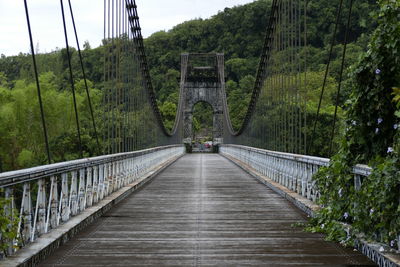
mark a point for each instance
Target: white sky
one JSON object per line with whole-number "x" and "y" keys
{"x": 46, "y": 22}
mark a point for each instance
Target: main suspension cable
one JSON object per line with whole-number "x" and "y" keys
{"x": 341, "y": 75}
{"x": 71, "y": 77}
{"x": 338, "y": 14}
{"x": 84, "y": 78}
{"x": 46, "y": 140}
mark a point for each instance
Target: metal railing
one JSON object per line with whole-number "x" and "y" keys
{"x": 293, "y": 171}
{"x": 47, "y": 196}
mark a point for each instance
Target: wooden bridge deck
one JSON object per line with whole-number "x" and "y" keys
{"x": 202, "y": 210}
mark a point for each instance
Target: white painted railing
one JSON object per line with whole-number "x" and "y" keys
{"x": 290, "y": 170}
{"x": 52, "y": 194}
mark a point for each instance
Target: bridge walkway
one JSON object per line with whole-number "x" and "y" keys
{"x": 202, "y": 210}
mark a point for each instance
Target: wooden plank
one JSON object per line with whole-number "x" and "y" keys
{"x": 203, "y": 210}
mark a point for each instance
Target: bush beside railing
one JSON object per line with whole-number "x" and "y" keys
{"x": 293, "y": 171}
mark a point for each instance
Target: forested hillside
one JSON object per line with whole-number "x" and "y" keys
{"x": 21, "y": 134}
{"x": 237, "y": 32}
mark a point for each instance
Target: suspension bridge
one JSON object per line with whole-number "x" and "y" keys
{"x": 146, "y": 200}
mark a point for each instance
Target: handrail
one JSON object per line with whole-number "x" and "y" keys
{"x": 63, "y": 190}
{"x": 293, "y": 171}
{"x": 284, "y": 155}
{"x": 19, "y": 176}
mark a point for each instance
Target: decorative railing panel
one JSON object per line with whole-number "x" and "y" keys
{"x": 293, "y": 171}
{"x": 50, "y": 195}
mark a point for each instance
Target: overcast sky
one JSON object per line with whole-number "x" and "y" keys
{"x": 46, "y": 22}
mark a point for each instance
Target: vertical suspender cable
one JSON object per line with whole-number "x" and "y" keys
{"x": 346, "y": 35}
{"x": 84, "y": 78}
{"x": 104, "y": 123}
{"x": 124, "y": 77}
{"x": 281, "y": 80}
{"x": 46, "y": 140}
{"x": 302, "y": 71}
{"x": 117, "y": 83}
{"x": 111, "y": 74}
{"x": 305, "y": 75}
{"x": 109, "y": 90}
{"x": 124, "y": 81}
{"x": 130, "y": 86}
{"x": 282, "y": 92}
{"x": 339, "y": 11}
{"x": 71, "y": 77}
{"x": 287, "y": 80}
{"x": 118, "y": 76}
{"x": 296, "y": 76}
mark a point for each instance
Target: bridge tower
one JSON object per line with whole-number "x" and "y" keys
{"x": 203, "y": 80}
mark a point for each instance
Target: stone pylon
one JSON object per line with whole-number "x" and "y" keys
{"x": 202, "y": 80}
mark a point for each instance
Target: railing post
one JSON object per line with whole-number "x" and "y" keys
{"x": 64, "y": 207}
{"x": 309, "y": 175}
{"x": 102, "y": 170}
{"x": 123, "y": 173}
{"x": 25, "y": 221}
{"x": 125, "y": 177}
{"x": 89, "y": 188}
{"x": 8, "y": 211}
{"x": 280, "y": 171}
{"x": 287, "y": 171}
{"x": 136, "y": 166}
{"x": 107, "y": 179}
{"x": 131, "y": 171}
{"x": 114, "y": 177}
{"x": 117, "y": 175}
{"x": 39, "y": 220}
{"x": 73, "y": 197}
{"x": 300, "y": 177}
{"x": 52, "y": 213}
{"x": 314, "y": 192}
{"x": 357, "y": 182}
{"x": 295, "y": 168}
{"x": 81, "y": 191}
{"x": 95, "y": 184}
{"x": 304, "y": 180}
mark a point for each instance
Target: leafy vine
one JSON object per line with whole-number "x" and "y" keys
{"x": 8, "y": 226}
{"x": 371, "y": 137}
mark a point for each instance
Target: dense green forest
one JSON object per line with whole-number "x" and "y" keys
{"x": 21, "y": 134}
{"x": 372, "y": 137}
{"x": 237, "y": 32}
